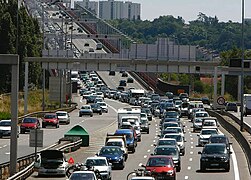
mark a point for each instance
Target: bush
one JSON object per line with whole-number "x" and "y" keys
{"x": 5, "y": 115}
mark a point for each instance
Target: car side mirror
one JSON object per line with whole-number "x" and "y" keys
{"x": 96, "y": 154}
{"x": 151, "y": 154}
{"x": 230, "y": 143}
{"x": 230, "y": 152}
{"x": 154, "y": 144}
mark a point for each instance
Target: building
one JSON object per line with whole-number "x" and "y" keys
{"x": 109, "y": 10}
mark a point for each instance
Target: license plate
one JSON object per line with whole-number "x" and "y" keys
{"x": 214, "y": 164}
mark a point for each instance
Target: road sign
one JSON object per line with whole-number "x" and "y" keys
{"x": 36, "y": 138}
{"x": 221, "y": 100}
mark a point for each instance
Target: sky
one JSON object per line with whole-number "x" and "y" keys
{"x": 225, "y": 10}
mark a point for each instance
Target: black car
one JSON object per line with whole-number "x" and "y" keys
{"x": 111, "y": 73}
{"x": 96, "y": 108}
{"x": 129, "y": 80}
{"x": 124, "y": 74}
{"x": 148, "y": 112}
{"x": 215, "y": 156}
{"x": 122, "y": 83}
{"x": 90, "y": 99}
{"x": 219, "y": 138}
{"x": 231, "y": 106}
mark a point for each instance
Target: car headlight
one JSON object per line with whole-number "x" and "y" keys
{"x": 204, "y": 159}
{"x": 176, "y": 161}
{"x": 170, "y": 172}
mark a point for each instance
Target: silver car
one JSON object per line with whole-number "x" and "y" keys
{"x": 63, "y": 117}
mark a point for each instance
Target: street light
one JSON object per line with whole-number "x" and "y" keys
{"x": 242, "y": 65}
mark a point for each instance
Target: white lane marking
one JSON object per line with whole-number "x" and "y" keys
{"x": 4, "y": 145}
{"x": 7, "y": 153}
{"x": 156, "y": 137}
{"x": 191, "y": 142}
{"x": 148, "y": 150}
{"x": 140, "y": 164}
{"x": 235, "y": 164}
{"x": 190, "y": 159}
{"x": 186, "y": 177}
{"x": 189, "y": 168}
{"x": 191, "y": 135}
{"x": 191, "y": 152}
{"x": 154, "y": 141}
{"x": 188, "y": 129}
{"x": 152, "y": 145}
{"x": 145, "y": 156}
{"x": 156, "y": 124}
{"x": 1, "y": 147}
{"x": 191, "y": 147}
{"x": 189, "y": 132}
{"x": 191, "y": 138}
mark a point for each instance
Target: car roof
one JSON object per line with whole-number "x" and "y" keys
{"x": 123, "y": 131}
{"x": 166, "y": 146}
{"x": 96, "y": 157}
{"x": 61, "y": 112}
{"x": 215, "y": 144}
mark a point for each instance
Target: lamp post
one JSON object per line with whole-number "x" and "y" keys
{"x": 242, "y": 65}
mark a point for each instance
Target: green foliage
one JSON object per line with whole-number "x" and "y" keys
{"x": 29, "y": 42}
{"x": 5, "y": 115}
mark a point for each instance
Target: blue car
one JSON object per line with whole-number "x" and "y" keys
{"x": 131, "y": 138}
{"x": 114, "y": 154}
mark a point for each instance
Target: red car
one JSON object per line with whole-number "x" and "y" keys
{"x": 160, "y": 167}
{"x": 29, "y": 123}
{"x": 50, "y": 119}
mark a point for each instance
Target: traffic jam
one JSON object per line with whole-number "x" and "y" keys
{"x": 134, "y": 121}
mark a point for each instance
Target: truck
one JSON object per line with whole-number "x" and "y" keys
{"x": 247, "y": 104}
{"x": 51, "y": 162}
{"x": 117, "y": 140}
{"x": 126, "y": 113}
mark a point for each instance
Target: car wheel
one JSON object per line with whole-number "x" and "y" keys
{"x": 80, "y": 115}
{"x": 133, "y": 150}
{"x": 22, "y": 132}
{"x": 1, "y": 136}
{"x": 91, "y": 115}
{"x": 147, "y": 132}
{"x": 43, "y": 126}
{"x": 57, "y": 125}
{"x": 100, "y": 113}
{"x": 178, "y": 169}
{"x": 202, "y": 167}
{"x": 227, "y": 169}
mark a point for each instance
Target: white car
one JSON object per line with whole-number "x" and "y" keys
{"x": 180, "y": 141}
{"x": 63, "y": 117}
{"x": 5, "y": 128}
{"x": 88, "y": 175}
{"x": 104, "y": 106}
{"x": 101, "y": 164}
{"x": 204, "y": 136}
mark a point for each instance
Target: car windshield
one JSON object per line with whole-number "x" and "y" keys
{"x": 61, "y": 114}
{"x": 167, "y": 142}
{"x": 50, "y": 116}
{"x": 198, "y": 121}
{"x": 85, "y": 107}
{"x": 208, "y": 132}
{"x": 143, "y": 115}
{"x": 171, "y": 125}
{"x": 166, "y": 151}
{"x": 214, "y": 149}
{"x": 209, "y": 123}
{"x": 29, "y": 120}
{"x": 179, "y": 130}
{"x": 114, "y": 143}
{"x": 158, "y": 161}
{"x": 96, "y": 162}
{"x": 174, "y": 136}
{"x": 143, "y": 122}
{"x": 201, "y": 115}
{"x": 102, "y": 104}
{"x": 110, "y": 151}
{"x": 5, "y": 123}
{"x": 171, "y": 113}
{"x": 218, "y": 140}
{"x": 81, "y": 176}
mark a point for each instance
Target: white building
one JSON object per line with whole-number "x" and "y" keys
{"x": 111, "y": 9}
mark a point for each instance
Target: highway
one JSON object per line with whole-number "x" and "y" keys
{"x": 190, "y": 162}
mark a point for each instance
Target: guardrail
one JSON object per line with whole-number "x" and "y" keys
{"x": 228, "y": 125}
{"x": 26, "y": 161}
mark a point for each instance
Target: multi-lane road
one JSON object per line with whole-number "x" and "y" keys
{"x": 98, "y": 126}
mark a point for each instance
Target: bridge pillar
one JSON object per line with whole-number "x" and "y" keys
{"x": 222, "y": 84}
{"x": 239, "y": 89}
{"x": 215, "y": 88}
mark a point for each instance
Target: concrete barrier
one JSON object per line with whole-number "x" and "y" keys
{"x": 229, "y": 126}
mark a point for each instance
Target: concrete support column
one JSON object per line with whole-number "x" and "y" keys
{"x": 26, "y": 87}
{"x": 215, "y": 88}
{"x": 239, "y": 88}
{"x": 223, "y": 84}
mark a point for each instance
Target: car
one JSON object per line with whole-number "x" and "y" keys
{"x": 5, "y": 128}
{"x": 86, "y": 44}
{"x": 111, "y": 73}
{"x": 29, "y": 123}
{"x": 120, "y": 142}
{"x": 197, "y": 124}
{"x": 231, "y": 106}
{"x": 219, "y": 138}
{"x": 172, "y": 151}
{"x": 98, "y": 99}
{"x": 204, "y": 136}
{"x": 50, "y": 119}
{"x": 85, "y": 110}
{"x": 180, "y": 141}
{"x": 131, "y": 138}
{"x": 103, "y": 106}
{"x": 63, "y": 117}
{"x": 96, "y": 108}
{"x": 129, "y": 80}
{"x": 200, "y": 114}
{"x": 101, "y": 164}
{"x": 91, "y": 49}
{"x": 122, "y": 82}
{"x": 124, "y": 74}
{"x": 99, "y": 46}
{"x": 215, "y": 156}
{"x": 148, "y": 113}
{"x": 144, "y": 123}
{"x": 87, "y": 175}
{"x": 120, "y": 88}
{"x": 114, "y": 154}
{"x": 162, "y": 167}
{"x": 90, "y": 99}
